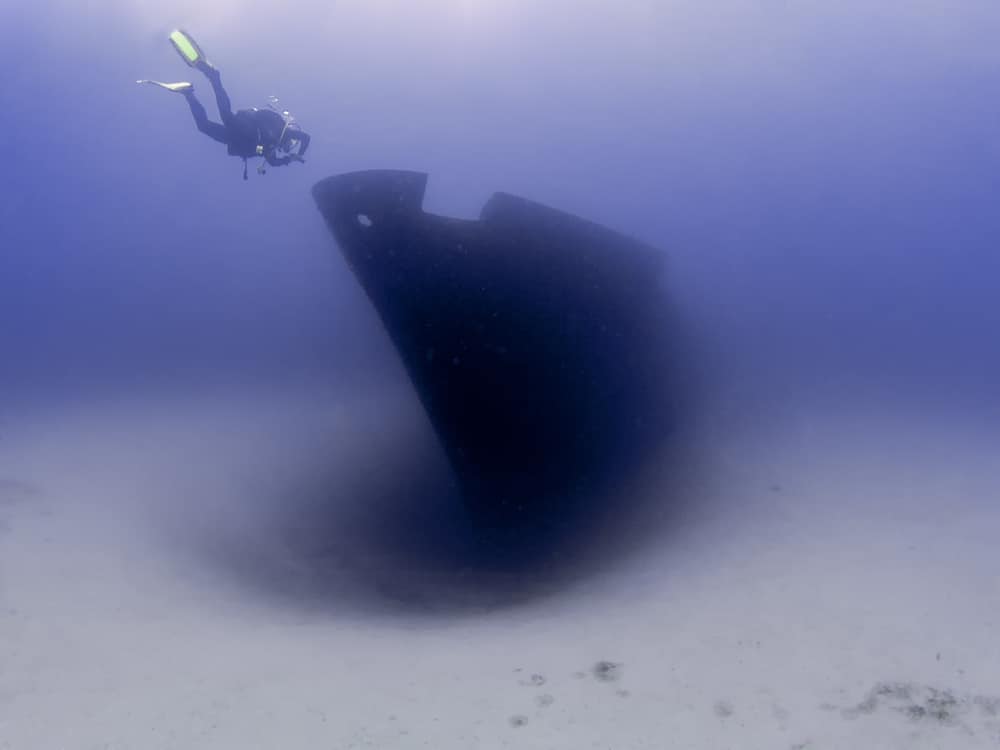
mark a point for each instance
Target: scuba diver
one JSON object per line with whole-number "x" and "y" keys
{"x": 269, "y": 133}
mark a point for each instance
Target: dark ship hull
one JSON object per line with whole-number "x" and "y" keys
{"x": 536, "y": 341}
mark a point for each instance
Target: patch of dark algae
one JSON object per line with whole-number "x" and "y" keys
{"x": 923, "y": 703}
{"x": 607, "y": 671}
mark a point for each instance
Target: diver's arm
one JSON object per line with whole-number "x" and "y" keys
{"x": 277, "y": 161}
{"x": 280, "y": 161}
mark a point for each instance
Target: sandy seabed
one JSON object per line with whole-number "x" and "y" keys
{"x": 215, "y": 570}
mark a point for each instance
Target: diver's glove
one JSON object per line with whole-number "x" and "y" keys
{"x": 298, "y": 158}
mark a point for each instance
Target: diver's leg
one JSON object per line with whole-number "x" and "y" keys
{"x": 221, "y": 97}
{"x": 213, "y": 130}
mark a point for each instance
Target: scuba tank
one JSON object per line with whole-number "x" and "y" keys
{"x": 289, "y": 122}
{"x": 289, "y": 119}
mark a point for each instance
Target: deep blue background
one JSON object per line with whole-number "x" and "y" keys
{"x": 824, "y": 179}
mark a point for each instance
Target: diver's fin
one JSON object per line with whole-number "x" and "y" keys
{"x": 181, "y": 87}
{"x": 188, "y": 49}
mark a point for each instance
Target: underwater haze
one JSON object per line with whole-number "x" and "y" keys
{"x": 215, "y": 529}
{"x": 820, "y": 177}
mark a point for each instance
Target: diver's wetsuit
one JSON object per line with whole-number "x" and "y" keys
{"x": 244, "y": 130}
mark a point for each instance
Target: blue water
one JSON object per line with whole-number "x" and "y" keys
{"x": 823, "y": 178}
